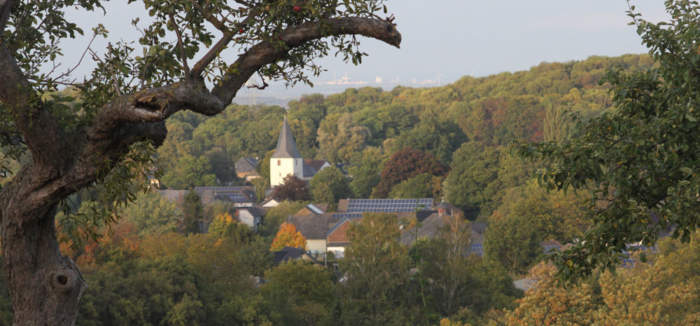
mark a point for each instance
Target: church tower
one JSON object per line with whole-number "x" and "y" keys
{"x": 286, "y": 160}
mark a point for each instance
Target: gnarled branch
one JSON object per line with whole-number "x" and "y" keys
{"x": 140, "y": 116}
{"x": 265, "y": 52}
{"x": 36, "y": 124}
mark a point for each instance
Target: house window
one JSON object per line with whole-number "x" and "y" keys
{"x": 279, "y": 162}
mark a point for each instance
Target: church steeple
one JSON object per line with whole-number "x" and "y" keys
{"x": 286, "y": 147}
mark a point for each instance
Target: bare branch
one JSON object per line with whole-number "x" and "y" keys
{"x": 223, "y": 42}
{"x": 80, "y": 61}
{"x": 260, "y": 87}
{"x": 208, "y": 57}
{"x": 153, "y": 105}
{"x": 180, "y": 45}
{"x": 265, "y": 52}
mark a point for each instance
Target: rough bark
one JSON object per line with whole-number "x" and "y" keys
{"x": 44, "y": 285}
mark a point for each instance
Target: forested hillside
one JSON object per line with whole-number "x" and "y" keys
{"x": 452, "y": 142}
{"x": 467, "y": 126}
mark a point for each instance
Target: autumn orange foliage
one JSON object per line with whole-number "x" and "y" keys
{"x": 288, "y": 236}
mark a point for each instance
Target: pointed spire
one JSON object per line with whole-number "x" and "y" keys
{"x": 286, "y": 147}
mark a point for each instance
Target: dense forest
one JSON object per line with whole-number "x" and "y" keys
{"x": 453, "y": 143}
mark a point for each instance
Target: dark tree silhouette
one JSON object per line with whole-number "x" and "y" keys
{"x": 293, "y": 189}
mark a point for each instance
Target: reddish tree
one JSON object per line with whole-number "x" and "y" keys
{"x": 293, "y": 189}
{"x": 406, "y": 164}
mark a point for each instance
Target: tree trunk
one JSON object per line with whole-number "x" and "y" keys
{"x": 44, "y": 285}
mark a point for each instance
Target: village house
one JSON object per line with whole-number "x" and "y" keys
{"x": 246, "y": 168}
{"x": 241, "y": 200}
{"x": 327, "y": 232}
{"x": 250, "y": 216}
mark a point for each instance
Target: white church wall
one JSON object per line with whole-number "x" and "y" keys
{"x": 282, "y": 167}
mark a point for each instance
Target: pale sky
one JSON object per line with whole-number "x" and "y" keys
{"x": 444, "y": 40}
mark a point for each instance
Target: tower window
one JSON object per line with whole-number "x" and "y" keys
{"x": 279, "y": 162}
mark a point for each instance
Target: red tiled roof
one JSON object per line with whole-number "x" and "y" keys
{"x": 340, "y": 233}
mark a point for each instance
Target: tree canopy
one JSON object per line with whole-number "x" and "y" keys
{"x": 293, "y": 189}
{"x": 640, "y": 159}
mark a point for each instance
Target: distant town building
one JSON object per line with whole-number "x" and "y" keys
{"x": 238, "y": 196}
{"x": 271, "y": 203}
{"x": 314, "y": 227}
{"x": 327, "y": 232}
{"x": 246, "y": 168}
{"x": 290, "y": 254}
{"x": 337, "y": 239}
{"x": 286, "y": 160}
{"x": 250, "y": 216}
{"x": 240, "y": 199}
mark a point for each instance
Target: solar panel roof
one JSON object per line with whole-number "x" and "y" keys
{"x": 223, "y": 189}
{"x": 340, "y": 216}
{"x": 389, "y": 205}
{"x": 235, "y": 197}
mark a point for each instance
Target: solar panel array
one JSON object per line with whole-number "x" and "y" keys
{"x": 222, "y": 189}
{"x": 388, "y": 205}
{"x": 233, "y": 197}
{"x": 350, "y": 216}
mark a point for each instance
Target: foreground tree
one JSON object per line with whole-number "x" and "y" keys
{"x": 300, "y": 293}
{"x": 643, "y": 157}
{"x": 126, "y": 100}
{"x": 376, "y": 266}
{"x": 663, "y": 291}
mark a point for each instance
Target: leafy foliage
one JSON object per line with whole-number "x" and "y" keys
{"x": 420, "y": 186}
{"x": 529, "y": 215}
{"x": 473, "y": 181}
{"x": 224, "y": 226}
{"x": 641, "y": 158}
{"x": 376, "y": 266}
{"x": 288, "y": 236}
{"x": 193, "y": 212}
{"x": 403, "y": 165}
{"x": 153, "y": 214}
{"x": 329, "y": 185}
{"x": 300, "y": 293}
{"x": 292, "y": 188}
{"x": 663, "y": 291}
{"x": 277, "y": 215}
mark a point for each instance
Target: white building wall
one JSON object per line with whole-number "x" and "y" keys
{"x": 316, "y": 246}
{"x": 338, "y": 251}
{"x": 245, "y": 217}
{"x": 282, "y": 167}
